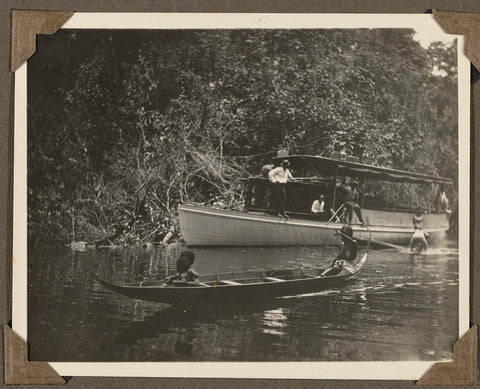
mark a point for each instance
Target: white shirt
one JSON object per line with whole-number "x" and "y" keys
{"x": 280, "y": 175}
{"x": 317, "y": 206}
{"x": 443, "y": 201}
{"x": 418, "y": 234}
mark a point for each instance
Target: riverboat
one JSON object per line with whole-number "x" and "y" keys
{"x": 258, "y": 225}
{"x": 238, "y": 286}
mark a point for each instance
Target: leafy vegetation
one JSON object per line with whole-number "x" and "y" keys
{"x": 124, "y": 125}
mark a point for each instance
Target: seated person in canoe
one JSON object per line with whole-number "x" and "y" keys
{"x": 348, "y": 253}
{"x": 190, "y": 255}
{"x": 185, "y": 274}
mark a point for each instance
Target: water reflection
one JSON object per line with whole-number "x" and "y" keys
{"x": 397, "y": 309}
{"x": 274, "y": 320}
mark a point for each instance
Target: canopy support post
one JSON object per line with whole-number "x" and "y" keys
{"x": 313, "y": 169}
{"x": 363, "y": 188}
{"x": 334, "y": 186}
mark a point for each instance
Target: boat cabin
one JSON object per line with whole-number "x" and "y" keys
{"x": 374, "y": 187}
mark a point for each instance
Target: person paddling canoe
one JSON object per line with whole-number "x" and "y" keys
{"x": 185, "y": 273}
{"x": 347, "y": 255}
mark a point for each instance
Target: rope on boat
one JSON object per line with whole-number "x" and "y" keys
{"x": 369, "y": 237}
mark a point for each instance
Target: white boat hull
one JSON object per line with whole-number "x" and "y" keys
{"x": 203, "y": 226}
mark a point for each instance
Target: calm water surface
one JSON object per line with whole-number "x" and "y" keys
{"x": 396, "y": 309}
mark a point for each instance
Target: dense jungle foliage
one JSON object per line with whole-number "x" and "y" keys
{"x": 124, "y": 125}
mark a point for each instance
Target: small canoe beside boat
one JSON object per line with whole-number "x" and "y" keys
{"x": 240, "y": 286}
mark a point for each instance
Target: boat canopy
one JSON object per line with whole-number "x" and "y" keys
{"x": 328, "y": 167}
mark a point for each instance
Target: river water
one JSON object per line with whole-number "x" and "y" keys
{"x": 399, "y": 308}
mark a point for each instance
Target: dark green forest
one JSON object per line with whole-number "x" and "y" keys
{"x": 123, "y": 125}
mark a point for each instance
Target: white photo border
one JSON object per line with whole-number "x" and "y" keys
{"x": 278, "y": 370}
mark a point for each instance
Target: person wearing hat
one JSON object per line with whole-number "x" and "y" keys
{"x": 348, "y": 252}
{"x": 318, "y": 206}
{"x": 259, "y": 188}
{"x": 279, "y": 178}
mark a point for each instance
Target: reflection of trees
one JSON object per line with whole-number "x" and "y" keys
{"x": 132, "y": 264}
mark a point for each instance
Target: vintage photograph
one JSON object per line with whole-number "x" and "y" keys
{"x": 244, "y": 194}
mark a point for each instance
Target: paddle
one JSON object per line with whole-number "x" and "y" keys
{"x": 379, "y": 242}
{"x": 382, "y": 244}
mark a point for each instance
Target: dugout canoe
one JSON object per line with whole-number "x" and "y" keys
{"x": 238, "y": 286}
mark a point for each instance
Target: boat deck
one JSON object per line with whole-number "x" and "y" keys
{"x": 254, "y": 276}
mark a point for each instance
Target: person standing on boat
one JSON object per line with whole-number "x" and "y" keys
{"x": 266, "y": 169}
{"x": 279, "y": 178}
{"x": 441, "y": 202}
{"x": 349, "y": 203}
{"x": 261, "y": 194}
{"x": 347, "y": 254}
{"x": 318, "y": 206}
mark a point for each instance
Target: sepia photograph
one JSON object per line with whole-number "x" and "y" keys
{"x": 246, "y": 194}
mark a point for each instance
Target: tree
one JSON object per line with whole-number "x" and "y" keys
{"x": 126, "y": 124}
